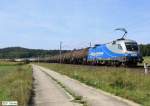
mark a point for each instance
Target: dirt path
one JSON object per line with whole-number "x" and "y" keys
{"x": 48, "y": 92}
{"x": 92, "y": 96}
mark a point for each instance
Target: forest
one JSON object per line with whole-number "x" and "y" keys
{"x": 19, "y": 52}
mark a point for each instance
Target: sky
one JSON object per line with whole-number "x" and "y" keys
{"x": 42, "y": 24}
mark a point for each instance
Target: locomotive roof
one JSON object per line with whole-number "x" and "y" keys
{"x": 117, "y": 40}
{"x": 125, "y": 40}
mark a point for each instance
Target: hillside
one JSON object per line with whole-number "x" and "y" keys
{"x": 19, "y": 52}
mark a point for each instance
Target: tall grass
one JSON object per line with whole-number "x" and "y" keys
{"x": 147, "y": 59}
{"x": 15, "y": 83}
{"x": 128, "y": 83}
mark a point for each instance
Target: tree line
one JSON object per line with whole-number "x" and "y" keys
{"x": 19, "y": 52}
{"x": 145, "y": 49}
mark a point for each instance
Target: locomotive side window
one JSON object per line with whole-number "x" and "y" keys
{"x": 131, "y": 46}
{"x": 120, "y": 47}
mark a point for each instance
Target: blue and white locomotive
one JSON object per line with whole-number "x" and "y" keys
{"x": 119, "y": 52}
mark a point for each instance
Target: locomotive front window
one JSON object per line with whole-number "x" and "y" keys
{"x": 131, "y": 46}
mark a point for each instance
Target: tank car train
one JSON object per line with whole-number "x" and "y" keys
{"x": 118, "y": 52}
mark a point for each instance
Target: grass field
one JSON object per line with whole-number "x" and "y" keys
{"x": 147, "y": 60}
{"x": 15, "y": 83}
{"x": 123, "y": 82}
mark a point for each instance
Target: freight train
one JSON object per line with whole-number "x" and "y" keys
{"x": 118, "y": 52}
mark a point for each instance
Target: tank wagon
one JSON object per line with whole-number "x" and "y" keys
{"x": 118, "y": 52}
{"x": 72, "y": 57}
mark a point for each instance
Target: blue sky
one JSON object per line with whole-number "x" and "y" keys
{"x": 44, "y": 23}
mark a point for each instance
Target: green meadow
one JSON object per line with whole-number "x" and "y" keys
{"x": 15, "y": 82}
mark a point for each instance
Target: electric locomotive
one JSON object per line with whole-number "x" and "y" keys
{"x": 118, "y": 52}
{"x": 121, "y": 51}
